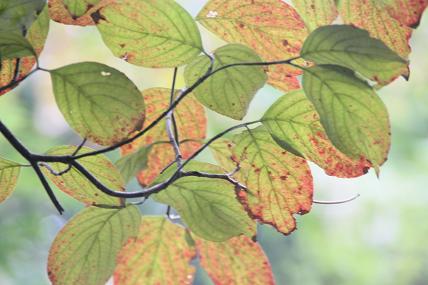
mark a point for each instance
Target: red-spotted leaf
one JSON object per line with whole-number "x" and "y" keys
{"x": 370, "y": 15}
{"x": 208, "y": 206}
{"x": 85, "y": 250}
{"x": 14, "y": 69}
{"x": 280, "y": 183}
{"x": 159, "y": 255}
{"x": 407, "y": 12}
{"x": 149, "y": 33}
{"x": 316, "y": 13}
{"x": 354, "y": 117}
{"x": 75, "y": 12}
{"x": 238, "y": 261}
{"x": 272, "y": 28}
{"x": 77, "y": 186}
{"x": 295, "y": 124}
{"x": 9, "y": 173}
{"x": 99, "y": 102}
{"x": 191, "y": 124}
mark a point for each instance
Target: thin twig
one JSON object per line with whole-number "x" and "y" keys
{"x": 336, "y": 202}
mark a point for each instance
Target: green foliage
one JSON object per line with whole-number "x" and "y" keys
{"x": 16, "y": 16}
{"x": 335, "y": 119}
{"x": 352, "y": 114}
{"x": 85, "y": 250}
{"x": 353, "y": 48}
{"x": 98, "y": 101}
{"x": 14, "y": 46}
{"x": 209, "y": 207}
{"x": 229, "y": 91}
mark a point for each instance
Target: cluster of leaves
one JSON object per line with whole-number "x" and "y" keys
{"x": 335, "y": 120}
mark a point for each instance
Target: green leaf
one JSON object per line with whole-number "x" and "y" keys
{"x": 99, "y": 102}
{"x": 132, "y": 163}
{"x": 353, "y": 48}
{"x": 149, "y": 33}
{"x": 229, "y": 91}
{"x": 85, "y": 250}
{"x": 208, "y": 206}
{"x": 14, "y": 46}
{"x": 77, "y": 186}
{"x": 354, "y": 117}
{"x": 295, "y": 125}
{"x": 279, "y": 183}
{"x": 159, "y": 255}
{"x": 17, "y": 16}
{"x": 9, "y": 173}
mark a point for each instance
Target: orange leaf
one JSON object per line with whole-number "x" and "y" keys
{"x": 36, "y": 36}
{"x": 159, "y": 255}
{"x": 272, "y": 28}
{"x": 280, "y": 183}
{"x": 407, "y": 12}
{"x": 371, "y": 16}
{"x": 60, "y": 12}
{"x": 191, "y": 124}
{"x": 237, "y": 261}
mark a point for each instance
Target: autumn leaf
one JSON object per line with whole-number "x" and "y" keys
{"x": 128, "y": 29}
{"x": 370, "y": 15}
{"x": 279, "y": 183}
{"x": 13, "y": 70}
{"x": 407, "y": 12}
{"x": 191, "y": 125}
{"x": 316, "y": 13}
{"x": 85, "y": 250}
{"x": 354, "y": 117}
{"x": 272, "y": 28}
{"x": 159, "y": 255}
{"x": 75, "y": 12}
{"x": 238, "y": 261}
{"x": 208, "y": 206}
{"x": 77, "y": 186}
{"x": 294, "y": 123}
{"x": 9, "y": 173}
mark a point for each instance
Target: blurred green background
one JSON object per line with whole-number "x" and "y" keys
{"x": 378, "y": 239}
